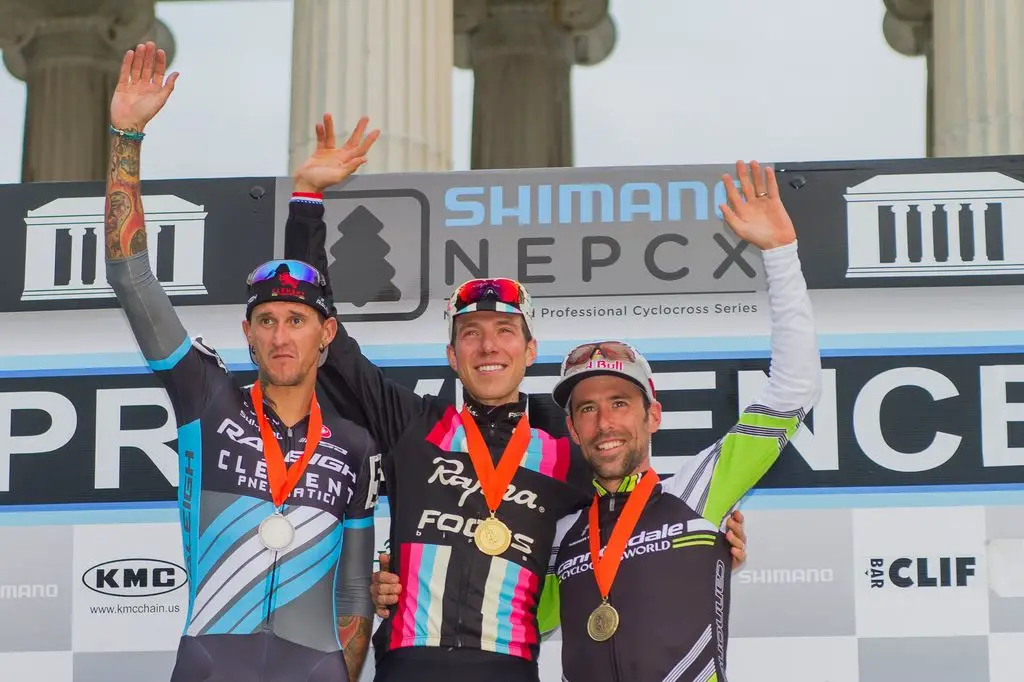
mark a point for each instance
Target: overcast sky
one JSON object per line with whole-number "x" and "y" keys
{"x": 690, "y": 81}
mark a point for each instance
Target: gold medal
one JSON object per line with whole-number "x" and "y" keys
{"x": 603, "y": 622}
{"x": 492, "y": 537}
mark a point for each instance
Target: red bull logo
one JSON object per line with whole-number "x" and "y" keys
{"x": 614, "y": 365}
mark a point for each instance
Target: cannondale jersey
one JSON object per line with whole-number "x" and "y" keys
{"x": 672, "y": 587}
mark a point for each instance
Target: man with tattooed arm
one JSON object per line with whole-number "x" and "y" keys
{"x": 279, "y": 564}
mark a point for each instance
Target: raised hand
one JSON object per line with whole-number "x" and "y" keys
{"x": 141, "y": 89}
{"x": 758, "y": 216}
{"x": 330, "y": 164}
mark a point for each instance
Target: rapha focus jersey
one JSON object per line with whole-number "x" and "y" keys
{"x": 254, "y": 613}
{"x": 672, "y": 587}
{"x": 453, "y": 596}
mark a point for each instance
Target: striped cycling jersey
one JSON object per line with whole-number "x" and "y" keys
{"x": 249, "y": 605}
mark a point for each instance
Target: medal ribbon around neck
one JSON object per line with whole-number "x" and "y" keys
{"x": 494, "y": 481}
{"x": 605, "y": 567}
{"x": 281, "y": 477}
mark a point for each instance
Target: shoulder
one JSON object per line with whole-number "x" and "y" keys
{"x": 345, "y": 433}
{"x": 209, "y": 353}
{"x": 566, "y": 524}
{"x": 547, "y": 416}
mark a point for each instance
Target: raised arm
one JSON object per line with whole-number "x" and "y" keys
{"x": 717, "y": 479}
{"x": 358, "y": 388}
{"x": 184, "y": 368}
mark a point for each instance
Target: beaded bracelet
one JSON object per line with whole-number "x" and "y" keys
{"x": 127, "y": 134}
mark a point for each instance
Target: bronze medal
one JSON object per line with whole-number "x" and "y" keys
{"x": 603, "y": 622}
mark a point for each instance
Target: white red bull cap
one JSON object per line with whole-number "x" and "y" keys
{"x": 615, "y": 358}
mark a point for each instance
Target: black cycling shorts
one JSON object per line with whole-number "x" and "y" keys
{"x": 437, "y": 664}
{"x": 263, "y": 657}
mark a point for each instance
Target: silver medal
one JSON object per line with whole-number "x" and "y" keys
{"x": 276, "y": 532}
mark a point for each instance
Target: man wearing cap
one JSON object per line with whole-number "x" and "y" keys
{"x": 640, "y": 531}
{"x": 271, "y": 487}
{"x": 474, "y": 493}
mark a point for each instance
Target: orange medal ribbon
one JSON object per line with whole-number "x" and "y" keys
{"x": 605, "y": 567}
{"x": 283, "y": 478}
{"x": 492, "y": 536}
{"x": 604, "y": 621}
{"x": 494, "y": 481}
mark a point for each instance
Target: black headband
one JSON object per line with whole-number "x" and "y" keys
{"x": 293, "y": 290}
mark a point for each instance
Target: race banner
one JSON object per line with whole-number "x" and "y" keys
{"x": 886, "y": 543}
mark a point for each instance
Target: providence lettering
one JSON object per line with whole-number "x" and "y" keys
{"x": 963, "y": 409}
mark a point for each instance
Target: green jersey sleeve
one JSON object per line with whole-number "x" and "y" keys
{"x": 714, "y": 482}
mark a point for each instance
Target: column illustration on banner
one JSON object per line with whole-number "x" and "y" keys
{"x": 172, "y": 223}
{"x": 935, "y": 224}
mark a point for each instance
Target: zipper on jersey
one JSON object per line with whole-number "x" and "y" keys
{"x": 612, "y": 519}
{"x": 463, "y": 582}
{"x": 268, "y": 623}
{"x": 616, "y": 675}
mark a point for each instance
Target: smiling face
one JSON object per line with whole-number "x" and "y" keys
{"x": 609, "y": 422}
{"x": 286, "y": 338}
{"x": 490, "y": 354}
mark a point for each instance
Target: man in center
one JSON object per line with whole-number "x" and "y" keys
{"x": 475, "y": 493}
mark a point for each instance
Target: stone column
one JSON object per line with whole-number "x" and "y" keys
{"x": 69, "y": 55}
{"x": 979, "y": 77}
{"x": 521, "y": 53}
{"x": 975, "y": 52}
{"x": 907, "y": 28}
{"x": 390, "y": 60}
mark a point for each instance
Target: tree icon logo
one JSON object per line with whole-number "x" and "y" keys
{"x": 378, "y": 251}
{"x": 361, "y": 273}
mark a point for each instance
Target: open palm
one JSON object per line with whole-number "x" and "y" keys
{"x": 758, "y": 216}
{"x": 330, "y": 164}
{"x": 141, "y": 90}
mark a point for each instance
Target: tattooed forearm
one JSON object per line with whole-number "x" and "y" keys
{"x": 125, "y": 226}
{"x": 354, "y": 633}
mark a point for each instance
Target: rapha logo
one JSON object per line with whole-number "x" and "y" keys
{"x": 74, "y": 226}
{"x": 935, "y": 224}
{"x": 449, "y": 472}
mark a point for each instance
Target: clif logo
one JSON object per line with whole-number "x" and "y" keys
{"x": 921, "y": 572}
